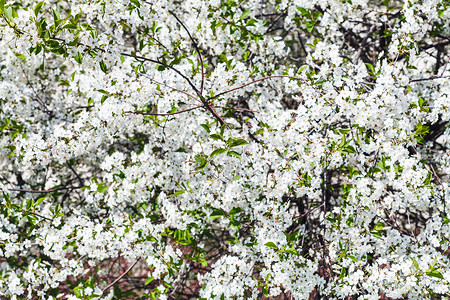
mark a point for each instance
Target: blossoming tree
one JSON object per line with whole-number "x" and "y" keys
{"x": 224, "y": 149}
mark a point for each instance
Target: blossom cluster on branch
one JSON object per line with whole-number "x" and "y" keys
{"x": 224, "y": 149}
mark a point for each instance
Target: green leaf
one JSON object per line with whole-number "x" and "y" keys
{"x": 382, "y": 164}
{"x": 21, "y": 56}
{"x": 378, "y": 227}
{"x": 201, "y": 160}
{"x": 421, "y": 129}
{"x": 217, "y": 152}
{"x": 302, "y": 68}
{"x": 218, "y": 213}
{"x": 64, "y": 83}
{"x": 345, "y": 130}
{"x": 30, "y": 203}
{"x": 103, "y": 66}
{"x": 206, "y": 127}
{"x": 216, "y": 137}
{"x": 101, "y": 188}
{"x": 428, "y": 179}
{"x": 236, "y": 225}
{"x": 233, "y": 153}
{"x": 246, "y": 55}
{"x": 376, "y": 234}
{"x": 2, "y": 6}
{"x": 265, "y": 291}
{"x": 37, "y": 8}
{"x": 349, "y": 149}
{"x": 203, "y": 262}
{"x": 271, "y": 245}
{"x": 343, "y": 273}
{"x": 56, "y": 16}
{"x": 371, "y": 69}
{"x": 420, "y": 140}
{"x": 103, "y": 91}
{"x": 435, "y": 273}
{"x": 39, "y": 200}
{"x": 180, "y": 192}
{"x": 251, "y": 22}
{"x": 71, "y": 26}
{"x": 292, "y": 250}
{"x": 416, "y": 264}
{"x": 148, "y": 280}
{"x": 237, "y": 142}
{"x": 303, "y": 11}
{"x": 8, "y": 12}
{"x": 353, "y": 258}
{"x": 245, "y": 14}
{"x": 235, "y": 210}
{"x": 422, "y": 102}
{"x": 78, "y": 58}
{"x": 136, "y": 2}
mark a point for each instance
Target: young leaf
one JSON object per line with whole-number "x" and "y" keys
{"x": 237, "y": 142}
{"x": 148, "y": 280}
{"x": 233, "y": 153}
{"x": 435, "y": 273}
{"x": 271, "y": 245}
{"x": 217, "y": 152}
{"x": 235, "y": 210}
{"x": 37, "y": 8}
{"x": 103, "y": 66}
{"x": 292, "y": 250}
{"x": 416, "y": 264}
{"x": 218, "y": 213}
{"x": 78, "y": 58}
{"x": 343, "y": 273}
{"x": 245, "y": 14}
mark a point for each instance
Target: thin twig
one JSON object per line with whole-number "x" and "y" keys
{"x": 236, "y": 108}
{"x": 50, "y": 6}
{"x": 121, "y": 276}
{"x": 162, "y": 64}
{"x": 170, "y": 87}
{"x": 442, "y": 186}
{"x": 45, "y": 191}
{"x": 37, "y": 215}
{"x": 196, "y": 48}
{"x": 184, "y": 110}
{"x": 203, "y": 100}
{"x": 428, "y": 78}
{"x": 309, "y": 211}
{"x": 433, "y": 171}
{"x": 252, "y": 82}
{"x": 445, "y": 67}
{"x": 163, "y": 114}
{"x": 363, "y": 44}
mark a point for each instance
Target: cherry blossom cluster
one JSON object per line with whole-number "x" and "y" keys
{"x": 286, "y": 149}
